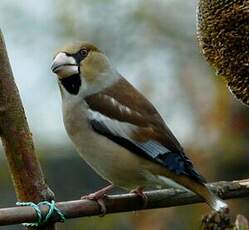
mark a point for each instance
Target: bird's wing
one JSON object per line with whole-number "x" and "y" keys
{"x": 131, "y": 121}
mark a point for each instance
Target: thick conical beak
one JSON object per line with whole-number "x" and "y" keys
{"x": 64, "y": 66}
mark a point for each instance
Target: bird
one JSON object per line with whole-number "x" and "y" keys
{"x": 117, "y": 131}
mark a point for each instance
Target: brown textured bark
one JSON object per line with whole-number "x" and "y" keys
{"x": 24, "y": 166}
{"x": 126, "y": 202}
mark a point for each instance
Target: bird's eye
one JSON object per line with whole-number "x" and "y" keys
{"x": 83, "y": 52}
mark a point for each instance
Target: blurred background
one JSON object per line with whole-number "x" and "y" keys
{"x": 153, "y": 44}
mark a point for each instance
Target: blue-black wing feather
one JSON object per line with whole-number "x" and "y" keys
{"x": 176, "y": 162}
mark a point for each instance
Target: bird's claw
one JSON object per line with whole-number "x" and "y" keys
{"x": 99, "y": 200}
{"x": 140, "y": 192}
{"x": 99, "y": 196}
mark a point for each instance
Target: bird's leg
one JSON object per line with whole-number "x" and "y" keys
{"x": 98, "y": 194}
{"x": 98, "y": 197}
{"x": 139, "y": 191}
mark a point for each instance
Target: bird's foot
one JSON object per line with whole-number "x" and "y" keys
{"x": 139, "y": 191}
{"x": 98, "y": 196}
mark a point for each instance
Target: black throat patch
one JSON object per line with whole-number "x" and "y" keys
{"x": 72, "y": 84}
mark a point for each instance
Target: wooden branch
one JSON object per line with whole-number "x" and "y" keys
{"x": 24, "y": 167}
{"x": 126, "y": 203}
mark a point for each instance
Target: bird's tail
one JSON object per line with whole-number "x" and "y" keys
{"x": 213, "y": 201}
{"x": 202, "y": 190}
{"x": 217, "y": 204}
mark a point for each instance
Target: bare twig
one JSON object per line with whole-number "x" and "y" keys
{"x": 25, "y": 169}
{"x": 126, "y": 203}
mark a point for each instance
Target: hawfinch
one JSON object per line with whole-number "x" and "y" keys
{"x": 117, "y": 130}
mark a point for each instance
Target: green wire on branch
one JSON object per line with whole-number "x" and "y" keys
{"x": 41, "y": 220}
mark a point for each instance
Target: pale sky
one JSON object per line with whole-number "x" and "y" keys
{"x": 32, "y": 33}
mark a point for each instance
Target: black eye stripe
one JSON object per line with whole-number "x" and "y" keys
{"x": 79, "y": 56}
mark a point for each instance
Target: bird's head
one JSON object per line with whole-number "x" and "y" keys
{"x": 82, "y": 68}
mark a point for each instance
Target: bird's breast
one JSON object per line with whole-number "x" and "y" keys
{"x": 111, "y": 161}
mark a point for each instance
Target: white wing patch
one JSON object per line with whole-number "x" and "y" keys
{"x": 125, "y": 130}
{"x": 117, "y": 128}
{"x": 120, "y": 107}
